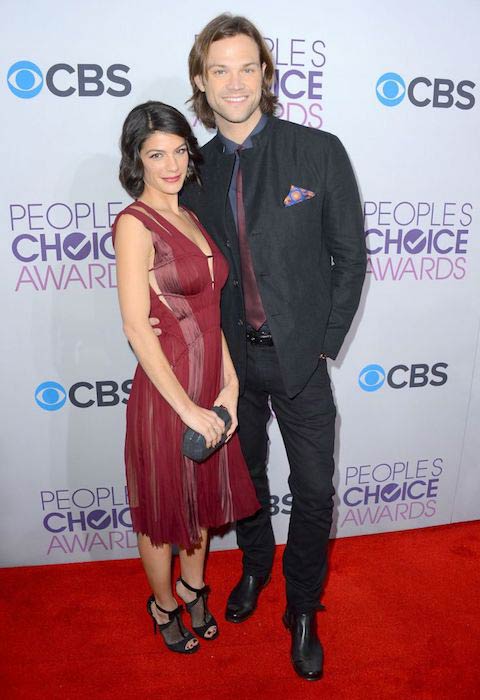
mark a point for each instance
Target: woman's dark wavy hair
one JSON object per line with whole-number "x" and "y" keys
{"x": 144, "y": 120}
{"x": 221, "y": 27}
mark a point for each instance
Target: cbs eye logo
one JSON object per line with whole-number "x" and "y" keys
{"x": 371, "y": 378}
{"x": 50, "y": 396}
{"x": 390, "y": 89}
{"x": 25, "y": 79}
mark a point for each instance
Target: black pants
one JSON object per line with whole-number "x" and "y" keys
{"x": 307, "y": 424}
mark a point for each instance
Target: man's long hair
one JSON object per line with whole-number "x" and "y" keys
{"x": 222, "y": 27}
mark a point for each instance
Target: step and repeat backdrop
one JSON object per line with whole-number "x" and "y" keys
{"x": 399, "y": 84}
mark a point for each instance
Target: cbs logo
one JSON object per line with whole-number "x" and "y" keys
{"x": 421, "y": 92}
{"x": 25, "y": 80}
{"x": 51, "y": 396}
{"x": 373, "y": 377}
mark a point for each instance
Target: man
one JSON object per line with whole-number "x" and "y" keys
{"x": 282, "y": 204}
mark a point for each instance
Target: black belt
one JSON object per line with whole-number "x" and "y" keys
{"x": 260, "y": 337}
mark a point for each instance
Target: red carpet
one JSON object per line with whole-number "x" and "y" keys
{"x": 402, "y": 621}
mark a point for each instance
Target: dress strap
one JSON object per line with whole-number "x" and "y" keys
{"x": 147, "y": 215}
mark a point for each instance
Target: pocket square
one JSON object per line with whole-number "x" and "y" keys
{"x": 296, "y": 195}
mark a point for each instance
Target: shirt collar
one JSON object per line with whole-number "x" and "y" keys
{"x": 229, "y": 146}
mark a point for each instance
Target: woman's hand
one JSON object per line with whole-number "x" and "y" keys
{"x": 205, "y": 422}
{"x": 228, "y": 397}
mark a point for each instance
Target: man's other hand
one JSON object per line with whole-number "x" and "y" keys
{"x": 154, "y": 322}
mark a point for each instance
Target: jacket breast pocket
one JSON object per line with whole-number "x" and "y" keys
{"x": 300, "y": 222}
{"x": 306, "y": 209}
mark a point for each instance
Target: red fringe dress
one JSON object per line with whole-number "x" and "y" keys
{"x": 170, "y": 496}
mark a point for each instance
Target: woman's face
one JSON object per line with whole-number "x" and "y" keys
{"x": 165, "y": 162}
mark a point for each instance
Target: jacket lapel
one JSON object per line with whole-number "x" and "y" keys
{"x": 225, "y": 232}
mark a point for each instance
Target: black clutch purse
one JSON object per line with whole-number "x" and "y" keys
{"x": 194, "y": 446}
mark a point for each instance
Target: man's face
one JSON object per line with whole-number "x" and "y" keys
{"x": 233, "y": 81}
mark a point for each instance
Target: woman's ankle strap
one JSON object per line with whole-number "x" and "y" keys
{"x": 191, "y": 588}
{"x": 171, "y": 613}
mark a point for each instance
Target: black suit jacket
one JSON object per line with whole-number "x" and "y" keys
{"x": 309, "y": 258}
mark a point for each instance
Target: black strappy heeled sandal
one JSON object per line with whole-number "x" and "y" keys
{"x": 199, "y": 611}
{"x": 173, "y": 617}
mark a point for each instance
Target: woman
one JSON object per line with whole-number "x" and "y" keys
{"x": 168, "y": 267}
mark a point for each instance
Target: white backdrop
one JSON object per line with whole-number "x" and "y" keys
{"x": 408, "y": 437}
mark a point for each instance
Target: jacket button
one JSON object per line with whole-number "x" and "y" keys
{"x": 228, "y": 244}
{"x": 235, "y": 283}
{"x": 240, "y": 322}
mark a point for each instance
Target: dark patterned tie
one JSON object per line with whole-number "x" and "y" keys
{"x": 254, "y": 311}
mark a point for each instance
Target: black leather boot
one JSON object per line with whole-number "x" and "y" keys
{"x": 242, "y": 601}
{"x": 306, "y": 651}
